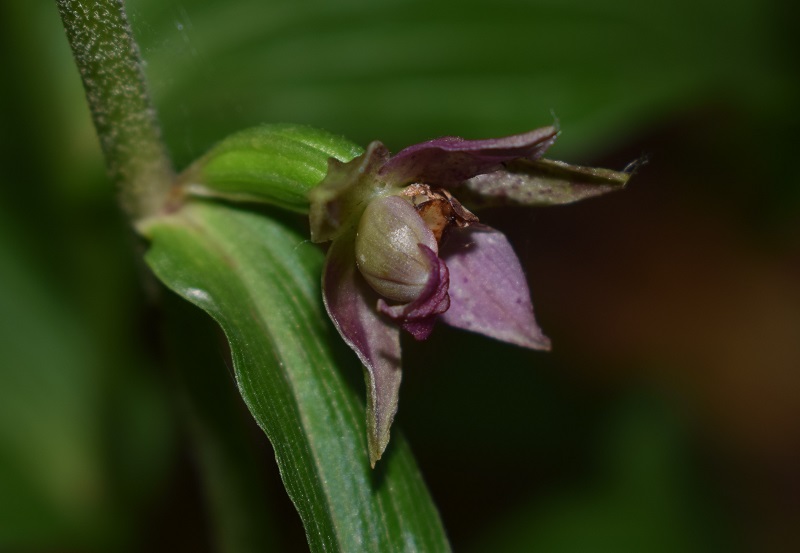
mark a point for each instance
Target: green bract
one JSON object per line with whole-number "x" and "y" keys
{"x": 274, "y": 164}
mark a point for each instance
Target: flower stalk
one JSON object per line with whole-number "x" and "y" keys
{"x": 110, "y": 65}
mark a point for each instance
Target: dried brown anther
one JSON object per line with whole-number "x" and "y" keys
{"x": 439, "y": 209}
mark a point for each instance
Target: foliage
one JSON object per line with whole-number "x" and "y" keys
{"x": 90, "y": 412}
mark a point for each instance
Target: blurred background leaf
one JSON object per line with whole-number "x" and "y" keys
{"x": 415, "y": 69}
{"x": 641, "y": 496}
{"x": 687, "y": 281}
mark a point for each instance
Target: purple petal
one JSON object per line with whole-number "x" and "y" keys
{"x": 351, "y": 305}
{"x": 450, "y": 160}
{"x": 488, "y": 290}
{"x": 419, "y": 316}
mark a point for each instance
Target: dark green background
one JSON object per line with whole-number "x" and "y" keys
{"x": 665, "y": 419}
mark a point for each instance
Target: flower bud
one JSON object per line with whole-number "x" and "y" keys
{"x": 387, "y": 249}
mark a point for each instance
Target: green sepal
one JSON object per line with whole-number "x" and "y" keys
{"x": 541, "y": 182}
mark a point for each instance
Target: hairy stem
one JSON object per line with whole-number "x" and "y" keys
{"x": 111, "y": 68}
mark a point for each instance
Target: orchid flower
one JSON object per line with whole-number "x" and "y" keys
{"x": 406, "y": 253}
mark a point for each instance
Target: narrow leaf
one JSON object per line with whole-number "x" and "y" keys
{"x": 275, "y": 164}
{"x": 260, "y": 282}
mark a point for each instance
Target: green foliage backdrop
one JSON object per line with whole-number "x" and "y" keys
{"x": 96, "y": 437}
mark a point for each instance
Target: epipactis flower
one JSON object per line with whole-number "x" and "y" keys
{"x": 406, "y": 253}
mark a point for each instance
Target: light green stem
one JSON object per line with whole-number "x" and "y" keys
{"x": 111, "y": 68}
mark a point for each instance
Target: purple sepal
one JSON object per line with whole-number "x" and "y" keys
{"x": 419, "y": 316}
{"x": 488, "y": 290}
{"x": 351, "y": 305}
{"x": 449, "y": 161}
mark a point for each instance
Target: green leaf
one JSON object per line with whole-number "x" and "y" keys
{"x": 275, "y": 164}
{"x": 260, "y": 282}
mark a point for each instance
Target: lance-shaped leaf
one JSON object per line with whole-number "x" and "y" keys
{"x": 540, "y": 182}
{"x": 275, "y": 164}
{"x": 260, "y": 282}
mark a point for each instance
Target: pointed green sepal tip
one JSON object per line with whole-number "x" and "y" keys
{"x": 379, "y": 424}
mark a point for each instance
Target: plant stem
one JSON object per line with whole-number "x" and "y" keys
{"x": 110, "y": 65}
